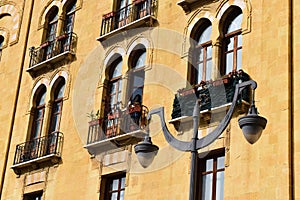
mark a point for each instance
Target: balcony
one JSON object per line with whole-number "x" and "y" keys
{"x": 215, "y": 97}
{"x": 118, "y": 128}
{"x": 37, "y": 152}
{"x": 137, "y": 14}
{"x": 50, "y": 53}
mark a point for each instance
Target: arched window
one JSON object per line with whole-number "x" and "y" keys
{"x": 137, "y": 76}
{"x": 69, "y": 16}
{"x": 115, "y": 85}
{"x": 202, "y": 59}
{"x": 1, "y": 45}
{"x": 52, "y": 20}
{"x": 52, "y": 24}
{"x": 232, "y": 43}
{"x": 39, "y": 110}
{"x": 1, "y": 41}
{"x": 57, "y": 105}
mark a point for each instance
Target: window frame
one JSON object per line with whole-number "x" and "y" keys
{"x": 204, "y": 46}
{"x": 214, "y": 155}
{"x": 70, "y": 15}
{"x": 38, "y": 195}
{"x": 196, "y": 47}
{"x": 57, "y": 101}
{"x": 36, "y": 119}
{"x": 232, "y": 14}
{"x": 108, "y": 180}
{"x": 118, "y": 83}
{"x": 135, "y": 71}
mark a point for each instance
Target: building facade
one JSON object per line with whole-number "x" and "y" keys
{"x": 79, "y": 79}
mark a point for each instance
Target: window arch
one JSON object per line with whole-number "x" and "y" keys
{"x": 51, "y": 28}
{"x": 202, "y": 52}
{"x": 232, "y": 41}
{"x": 114, "y": 85}
{"x": 1, "y": 41}
{"x": 57, "y": 98}
{"x": 1, "y": 45}
{"x": 38, "y": 110}
{"x": 69, "y": 16}
{"x": 137, "y": 61}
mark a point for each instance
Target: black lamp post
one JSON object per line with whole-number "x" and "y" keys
{"x": 252, "y": 126}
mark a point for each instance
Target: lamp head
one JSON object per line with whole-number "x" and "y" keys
{"x": 252, "y": 125}
{"x": 146, "y": 151}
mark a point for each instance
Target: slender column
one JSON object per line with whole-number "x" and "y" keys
{"x": 194, "y": 153}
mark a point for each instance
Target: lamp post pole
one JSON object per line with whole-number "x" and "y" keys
{"x": 252, "y": 126}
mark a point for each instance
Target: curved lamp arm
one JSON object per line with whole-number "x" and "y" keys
{"x": 205, "y": 141}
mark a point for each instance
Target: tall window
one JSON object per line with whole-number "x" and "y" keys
{"x": 203, "y": 53}
{"x": 122, "y": 10}
{"x": 1, "y": 45}
{"x": 137, "y": 76}
{"x": 114, "y": 187}
{"x": 115, "y": 85}
{"x": 211, "y": 183}
{"x": 52, "y": 21}
{"x": 232, "y": 59}
{"x": 57, "y": 106}
{"x": 39, "y": 110}
{"x": 69, "y": 18}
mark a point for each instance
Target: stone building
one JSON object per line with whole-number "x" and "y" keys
{"x": 79, "y": 78}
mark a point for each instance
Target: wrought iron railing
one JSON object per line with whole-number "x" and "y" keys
{"x": 63, "y": 43}
{"x": 38, "y": 148}
{"x": 211, "y": 94}
{"x": 117, "y": 123}
{"x": 133, "y": 12}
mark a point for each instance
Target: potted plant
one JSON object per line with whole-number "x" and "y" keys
{"x": 94, "y": 118}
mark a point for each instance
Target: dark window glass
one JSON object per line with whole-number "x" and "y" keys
{"x": 39, "y": 109}
{"x": 137, "y": 77}
{"x": 52, "y": 24}
{"x": 1, "y": 41}
{"x": 233, "y": 42}
{"x": 57, "y": 106}
{"x": 70, "y": 15}
{"x": 115, "y": 187}
{"x": 51, "y": 33}
{"x": 33, "y": 196}
{"x": 201, "y": 67}
{"x": 113, "y": 98}
{"x": 116, "y": 85}
{"x": 211, "y": 183}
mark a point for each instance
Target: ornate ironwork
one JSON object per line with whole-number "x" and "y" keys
{"x": 40, "y": 147}
{"x": 133, "y": 12}
{"x": 63, "y": 43}
{"x": 210, "y": 94}
{"x": 118, "y": 122}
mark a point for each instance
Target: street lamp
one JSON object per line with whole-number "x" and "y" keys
{"x": 251, "y": 125}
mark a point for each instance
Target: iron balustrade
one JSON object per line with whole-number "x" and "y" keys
{"x": 133, "y": 12}
{"x": 38, "y": 148}
{"x": 63, "y": 43}
{"x": 211, "y": 94}
{"x": 117, "y": 123}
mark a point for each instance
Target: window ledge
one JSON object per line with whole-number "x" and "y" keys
{"x": 134, "y": 24}
{"x": 115, "y": 142}
{"x": 206, "y": 115}
{"x": 51, "y": 158}
{"x": 48, "y": 64}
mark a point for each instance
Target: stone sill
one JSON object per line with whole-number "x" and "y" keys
{"x": 52, "y": 158}
{"x": 131, "y": 25}
{"x": 67, "y": 55}
{"x": 115, "y": 142}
